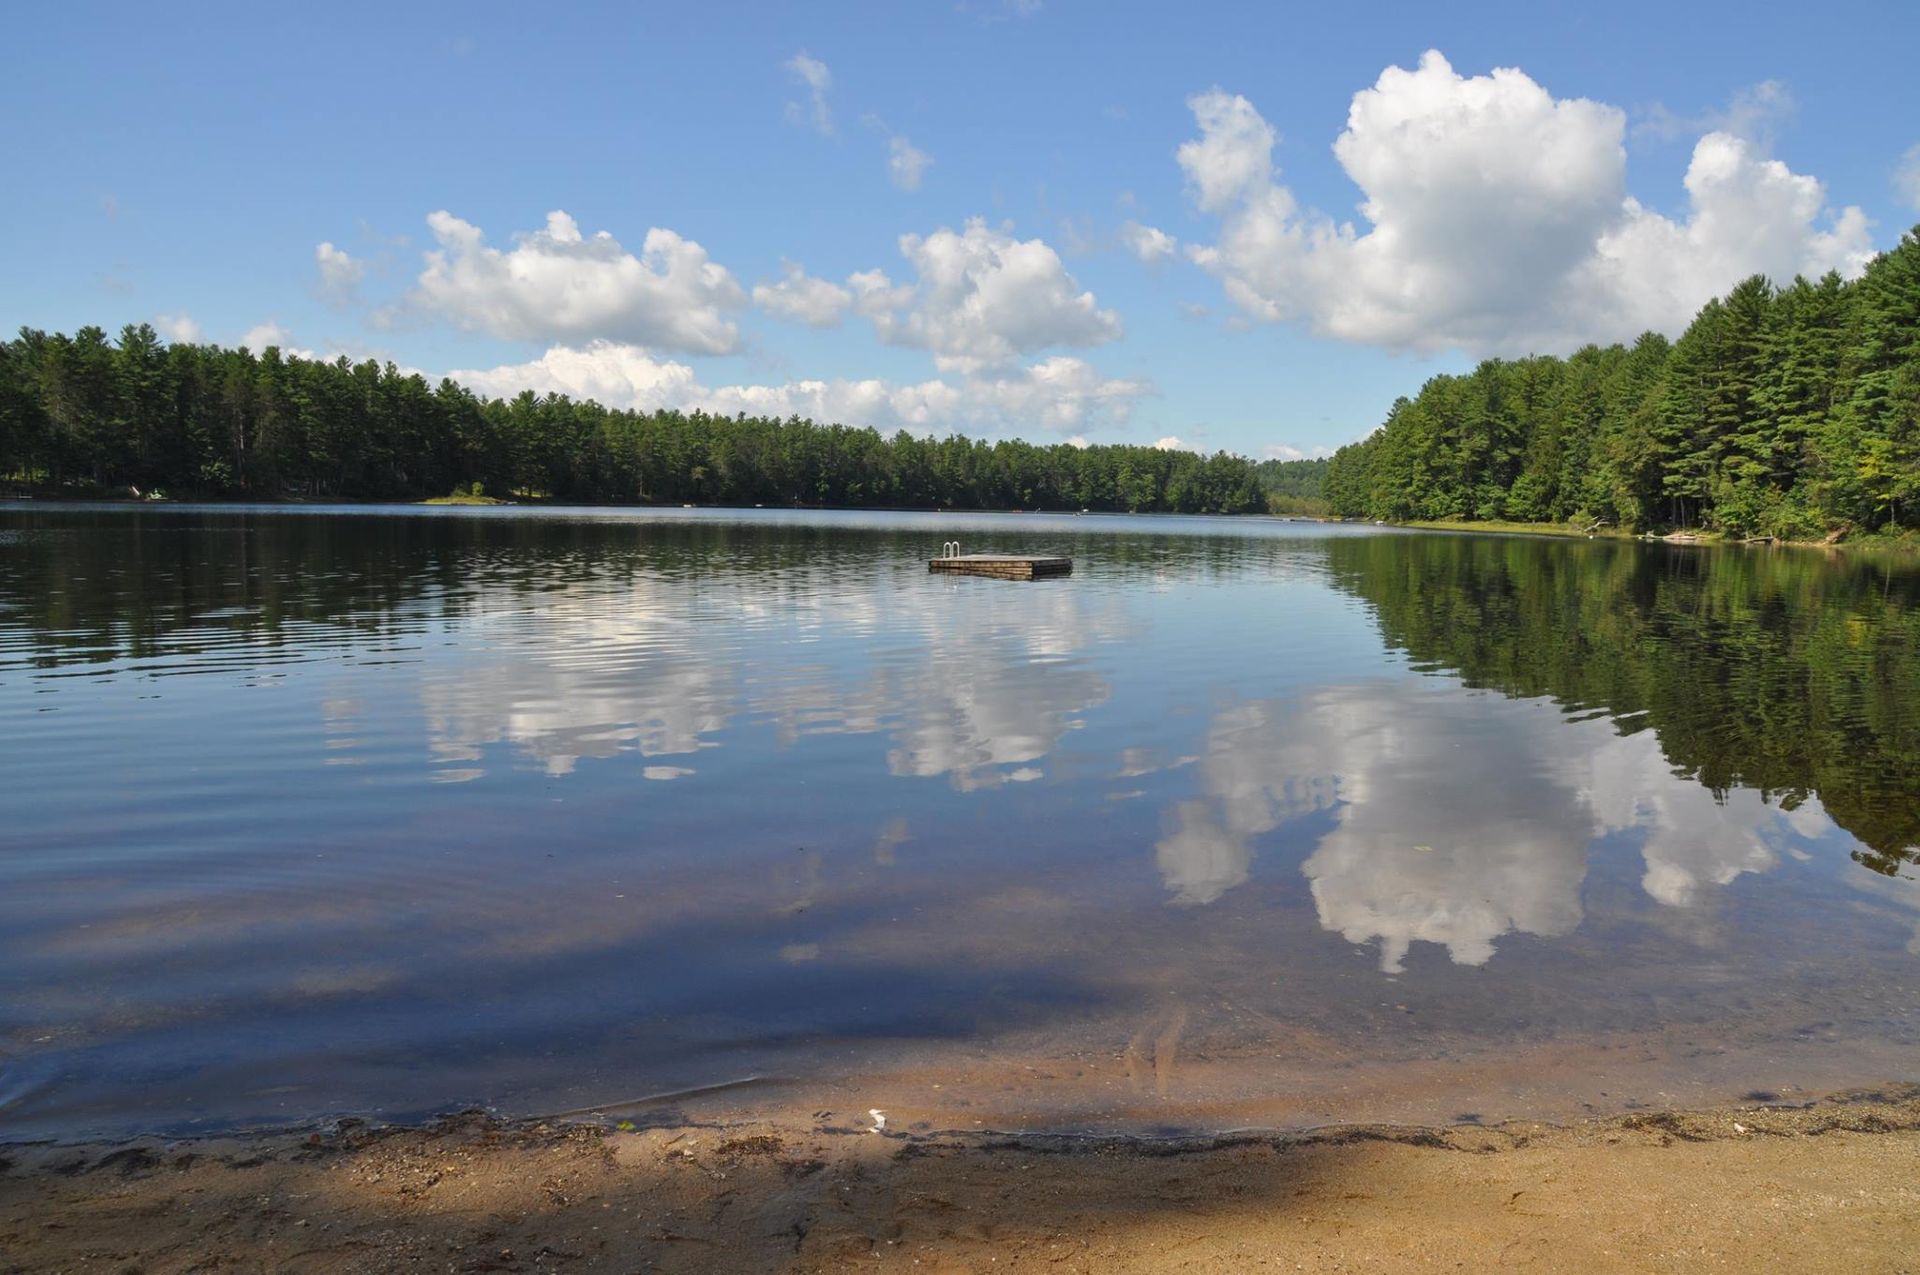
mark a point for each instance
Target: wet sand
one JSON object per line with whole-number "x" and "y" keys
{"x": 1826, "y": 1186}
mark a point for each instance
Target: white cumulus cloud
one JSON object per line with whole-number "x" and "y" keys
{"x": 813, "y": 74}
{"x": 982, "y": 297}
{"x": 1753, "y": 113}
{"x": 906, "y": 163}
{"x": 181, "y": 327}
{"x": 610, "y": 372}
{"x": 555, "y": 284}
{"x": 261, "y": 335}
{"x": 1906, "y": 177}
{"x": 1058, "y": 394}
{"x": 1149, "y": 243}
{"x": 340, "y": 273}
{"x": 1750, "y": 215}
{"x": 1232, "y": 159}
{"x": 800, "y": 298}
{"x": 1497, "y": 219}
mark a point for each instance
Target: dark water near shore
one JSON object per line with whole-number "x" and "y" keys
{"x": 388, "y": 812}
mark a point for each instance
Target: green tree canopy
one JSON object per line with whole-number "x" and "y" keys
{"x": 1788, "y": 411}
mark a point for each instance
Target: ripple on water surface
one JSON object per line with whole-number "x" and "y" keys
{"x": 358, "y": 811}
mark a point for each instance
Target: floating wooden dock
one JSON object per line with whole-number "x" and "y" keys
{"x": 1001, "y": 566}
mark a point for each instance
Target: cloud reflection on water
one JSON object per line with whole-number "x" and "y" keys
{"x": 975, "y": 692}
{"x": 185, "y": 900}
{"x": 1458, "y": 817}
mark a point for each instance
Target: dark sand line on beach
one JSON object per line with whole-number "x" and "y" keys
{"x": 1828, "y": 1186}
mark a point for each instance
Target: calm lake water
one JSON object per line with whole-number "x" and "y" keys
{"x": 390, "y": 812}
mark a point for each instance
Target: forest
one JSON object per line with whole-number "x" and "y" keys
{"x": 1293, "y": 486}
{"x": 1790, "y": 412}
{"x": 86, "y": 415}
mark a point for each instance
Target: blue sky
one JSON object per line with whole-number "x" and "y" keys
{"x": 1126, "y": 222}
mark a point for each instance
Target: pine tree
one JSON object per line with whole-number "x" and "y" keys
{"x": 1880, "y": 420}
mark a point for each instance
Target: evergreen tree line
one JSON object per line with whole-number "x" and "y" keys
{"x": 1785, "y": 411}
{"x": 1293, "y": 486}
{"x": 83, "y": 414}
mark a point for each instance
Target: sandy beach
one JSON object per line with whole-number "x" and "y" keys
{"x": 1827, "y": 1186}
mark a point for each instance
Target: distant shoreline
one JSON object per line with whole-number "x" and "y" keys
{"x": 1906, "y": 542}
{"x": 301, "y": 502}
{"x": 1909, "y": 541}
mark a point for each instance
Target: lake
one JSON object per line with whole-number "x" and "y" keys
{"x": 393, "y": 811}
